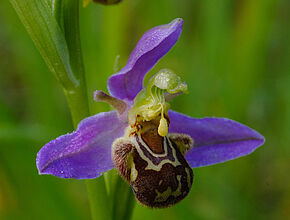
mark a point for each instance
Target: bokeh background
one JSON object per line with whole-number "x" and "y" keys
{"x": 235, "y": 57}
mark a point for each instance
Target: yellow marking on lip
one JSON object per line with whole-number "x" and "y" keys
{"x": 150, "y": 165}
{"x": 188, "y": 177}
{"x": 134, "y": 172}
{"x": 135, "y": 188}
{"x": 161, "y": 197}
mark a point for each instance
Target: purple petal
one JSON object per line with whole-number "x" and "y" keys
{"x": 216, "y": 140}
{"x": 85, "y": 153}
{"x": 153, "y": 45}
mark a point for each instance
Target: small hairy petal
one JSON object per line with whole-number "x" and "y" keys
{"x": 153, "y": 45}
{"x": 216, "y": 140}
{"x": 85, "y": 153}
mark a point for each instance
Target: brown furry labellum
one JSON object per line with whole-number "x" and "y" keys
{"x": 154, "y": 166}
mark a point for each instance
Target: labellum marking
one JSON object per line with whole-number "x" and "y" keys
{"x": 134, "y": 172}
{"x": 188, "y": 177}
{"x": 157, "y": 179}
{"x": 156, "y": 161}
{"x": 161, "y": 197}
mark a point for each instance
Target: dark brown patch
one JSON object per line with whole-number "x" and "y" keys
{"x": 149, "y": 133}
{"x": 152, "y": 139}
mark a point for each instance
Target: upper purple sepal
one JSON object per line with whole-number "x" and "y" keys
{"x": 153, "y": 45}
{"x": 216, "y": 140}
{"x": 85, "y": 153}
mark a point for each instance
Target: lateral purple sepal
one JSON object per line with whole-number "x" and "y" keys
{"x": 85, "y": 153}
{"x": 153, "y": 45}
{"x": 216, "y": 140}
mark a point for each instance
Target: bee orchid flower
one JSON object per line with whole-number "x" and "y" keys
{"x": 153, "y": 148}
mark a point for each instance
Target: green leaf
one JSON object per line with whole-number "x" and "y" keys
{"x": 39, "y": 18}
{"x": 54, "y": 27}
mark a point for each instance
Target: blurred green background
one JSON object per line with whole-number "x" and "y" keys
{"x": 235, "y": 57}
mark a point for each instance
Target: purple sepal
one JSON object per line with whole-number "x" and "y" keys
{"x": 216, "y": 140}
{"x": 85, "y": 153}
{"x": 153, "y": 45}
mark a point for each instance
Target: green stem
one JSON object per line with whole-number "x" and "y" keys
{"x": 119, "y": 190}
{"x": 78, "y": 102}
{"x": 122, "y": 192}
{"x": 77, "y": 97}
{"x": 54, "y": 28}
{"x": 121, "y": 195}
{"x": 98, "y": 198}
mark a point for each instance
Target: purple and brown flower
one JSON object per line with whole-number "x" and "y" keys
{"x": 153, "y": 148}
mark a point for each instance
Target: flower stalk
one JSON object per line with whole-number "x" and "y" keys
{"x": 54, "y": 28}
{"x": 104, "y": 205}
{"x": 117, "y": 189}
{"x": 78, "y": 102}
